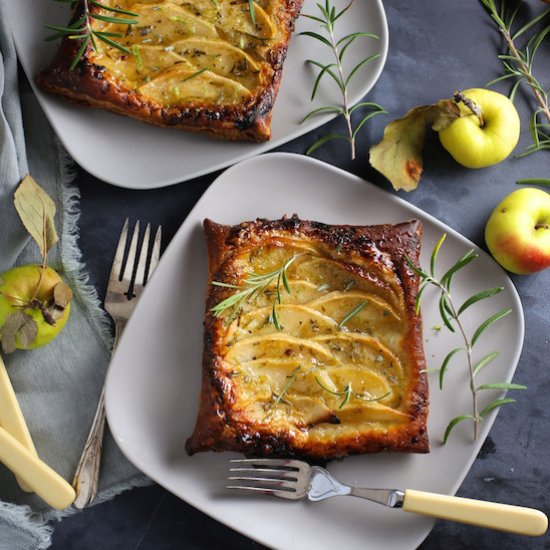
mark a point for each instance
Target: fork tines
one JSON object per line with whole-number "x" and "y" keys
{"x": 284, "y": 478}
{"x": 142, "y": 267}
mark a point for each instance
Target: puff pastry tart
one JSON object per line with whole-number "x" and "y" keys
{"x": 312, "y": 344}
{"x": 200, "y": 65}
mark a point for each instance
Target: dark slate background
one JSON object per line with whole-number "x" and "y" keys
{"x": 435, "y": 48}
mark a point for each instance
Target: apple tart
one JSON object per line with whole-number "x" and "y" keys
{"x": 312, "y": 344}
{"x": 210, "y": 66}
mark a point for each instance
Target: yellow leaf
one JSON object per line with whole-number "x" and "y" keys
{"x": 36, "y": 210}
{"x": 399, "y": 155}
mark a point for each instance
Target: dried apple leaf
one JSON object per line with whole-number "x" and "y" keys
{"x": 36, "y": 210}
{"x": 18, "y": 325}
{"x": 62, "y": 295}
{"x": 399, "y": 155}
{"x": 27, "y": 331}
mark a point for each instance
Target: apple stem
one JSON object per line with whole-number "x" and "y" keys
{"x": 471, "y": 104}
{"x": 542, "y": 226}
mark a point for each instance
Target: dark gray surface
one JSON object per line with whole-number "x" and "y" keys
{"x": 435, "y": 48}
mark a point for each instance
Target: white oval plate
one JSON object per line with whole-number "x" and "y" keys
{"x": 153, "y": 383}
{"x": 131, "y": 154}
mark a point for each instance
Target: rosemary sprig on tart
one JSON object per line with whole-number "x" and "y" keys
{"x": 253, "y": 285}
{"x": 81, "y": 29}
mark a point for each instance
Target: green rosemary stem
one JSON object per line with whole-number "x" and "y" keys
{"x": 347, "y": 115}
{"x": 455, "y": 316}
{"x": 531, "y": 81}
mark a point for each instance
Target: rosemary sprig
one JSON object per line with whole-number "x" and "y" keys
{"x": 336, "y": 71}
{"x": 348, "y": 393}
{"x": 518, "y": 65}
{"x": 83, "y": 31}
{"x": 252, "y": 286}
{"x": 450, "y": 315}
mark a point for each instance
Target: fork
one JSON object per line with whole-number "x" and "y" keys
{"x": 296, "y": 480}
{"x": 123, "y": 292}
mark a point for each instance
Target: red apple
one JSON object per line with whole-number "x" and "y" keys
{"x": 518, "y": 231}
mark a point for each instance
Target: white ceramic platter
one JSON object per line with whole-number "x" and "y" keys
{"x": 154, "y": 380}
{"x": 132, "y": 154}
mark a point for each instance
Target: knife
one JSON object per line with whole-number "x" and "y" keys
{"x": 46, "y": 483}
{"x": 11, "y": 417}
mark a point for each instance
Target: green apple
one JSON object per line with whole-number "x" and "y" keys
{"x": 518, "y": 231}
{"x": 22, "y": 289}
{"x": 475, "y": 144}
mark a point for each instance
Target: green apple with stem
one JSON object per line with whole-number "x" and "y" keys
{"x": 518, "y": 231}
{"x": 34, "y": 306}
{"x": 486, "y": 132}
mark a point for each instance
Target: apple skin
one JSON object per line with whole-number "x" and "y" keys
{"x": 518, "y": 231}
{"x": 21, "y": 282}
{"x": 474, "y": 146}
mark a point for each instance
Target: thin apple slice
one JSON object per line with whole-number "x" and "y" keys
{"x": 329, "y": 274}
{"x": 220, "y": 58}
{"x": 182, "y": 85}
{"x": 360, "y": 349}
{"x": 309, "y": 353}
{"x": 365, "y": 383}
{"x": 293, "y": 319}
{"x": 358, "y": 413}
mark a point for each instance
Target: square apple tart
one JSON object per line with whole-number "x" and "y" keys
{"x": 211, "y": 66}
{"x": 312, "y": 347}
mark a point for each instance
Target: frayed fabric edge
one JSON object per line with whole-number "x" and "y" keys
{"x": 31, "y": 525}
{"x": 69, "y": 253}
{"x": 36, "y": 526}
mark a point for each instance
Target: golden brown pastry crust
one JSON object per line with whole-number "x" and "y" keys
{"x": 222, "y": 425}
{"x": 92, "y": 85}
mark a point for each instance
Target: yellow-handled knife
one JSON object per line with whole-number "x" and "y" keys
{"x": 11, "y": 417}
{"x": 34, "y": 472}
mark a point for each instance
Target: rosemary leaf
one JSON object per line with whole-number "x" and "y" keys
{"x": 470, "y": 256}
{"x": 485, "y": 361}
{"x": 113, "y": 8}
{"x": 479, "y": 296}
{"x": 117, "y": 20}
{"x": 252, "y": 12}
{"x": 488, "y": 323}
{"x": 445, "y": 364}
{"x": 495, "y": 404}
{"x": 454, "y": 422}
{"x": 112, "y": 43}
{"x": 352, "y": 313}
{"x": 323, "y": 140}
{"x": 330, "y": 109}
{"x": 291, "y": 379}
{"x": 80, "y": 52}
{"x": 196, "y": 73}
{"x": 501, "y": 386}
{"x": 435, "y": 252}
{"x": 366, "y": 118}
{"x": 534, "y": 181}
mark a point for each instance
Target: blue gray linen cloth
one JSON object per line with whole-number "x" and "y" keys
{"x": 57, "y": 385}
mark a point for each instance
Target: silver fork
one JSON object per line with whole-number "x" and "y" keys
{"x": 296, "y": 480}
{"x": 123, "y": 292}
